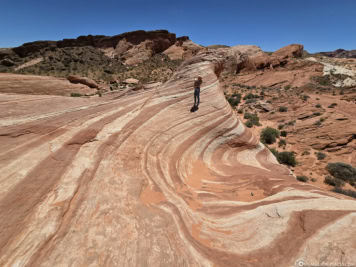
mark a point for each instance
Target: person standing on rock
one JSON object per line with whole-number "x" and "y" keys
{"x": 197, "y": 83}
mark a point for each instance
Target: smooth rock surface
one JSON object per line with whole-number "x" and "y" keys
{"x": 141, "y": 181}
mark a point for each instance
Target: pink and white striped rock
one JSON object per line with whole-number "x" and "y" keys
{"x": 142, "y": 181}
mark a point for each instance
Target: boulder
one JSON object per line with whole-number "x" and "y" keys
{"x": 182, "y": 49}
{"x": 131, "y": 81}
{"x": 289, "y": 51}
{"x": 82, "y": 80}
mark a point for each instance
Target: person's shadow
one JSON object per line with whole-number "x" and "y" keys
{"x": 194, "y": 108}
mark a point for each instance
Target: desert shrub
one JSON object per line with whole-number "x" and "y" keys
{"x": 333, "y": 181}
{"x": 274, "y": 152}
{"x": 342, "y": 171}
{"x": 253, "y": 119}
{"x": 302, "y": 178}
{"x": 287, "y": 158}
{"x": 75, "y": 95}
{"x": 291, "y": 123}
{"x": 240, "y": 111}
{"x": 332, "y": 105}
{"x": 323, "y": 80}
{"x": 287, "y": 87}
{"x": 320, "y": 155}
{"x": 318, "y": 106}
{"x": 313, "y": 180}
{"x": 348, "y": 192}
{"x": 280, "y": 126}
{"x": 234, "y": 99}
{"x": 317, "y": 123}
{"x": 316, "y": 113}
{"x": 284, "y": 133}
{"x": 269, "y": 135}
{"x": 249, "y": 124}
{"x": 282, "y": 142}
{"x": 249, "y": 101}
{"x": 250, "y": 96}
{"x": 305, "y": 153}
{"x": 283, "y": 109}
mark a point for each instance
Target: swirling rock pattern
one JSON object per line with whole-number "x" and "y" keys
{"x": 141, "y": 181}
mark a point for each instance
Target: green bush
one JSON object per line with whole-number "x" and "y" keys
{"x": 249, "y": 101}
{"x": 320, "y": 155}
{"x": 280, "y": 126}
{"x": 342, "y": 171}
{"x": 347, "y": 192}
{"x": 305, "y": 153}
{"x": 282, "y": 142}
{"x": 287, "y": 158}
{"x": 75, "y": 95}
{"x": 234, "y": 100}
{"x": 269, "y": 135}
{"x": 240, "y": 111}
{"x": 318, "y": 106}
{"x": 249, "y": 124}
{"x": 250, "y": 96}
{"x": 316, "y": 113}
{"x": 253, "y": 119}
{"x": 284, "y": 133}
{"x": 333, "y": 181}
{"x": 283, "y": 109}
{"x": 313, "y": 180}
{"x": 302, "y": 178}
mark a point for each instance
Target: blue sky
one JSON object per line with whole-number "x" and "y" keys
{"x": 318, "y": 25}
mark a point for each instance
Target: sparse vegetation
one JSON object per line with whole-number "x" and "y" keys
{"x": 252, "y": 119}
{"x": 282, "y": 142}
{"x": 76, "y": 95}
{"x": 302, "y": 178}
{"x": 316, "y": 113}
{"x": 285, "y": 157}
{"x": 342, "y": 171}
{"x": 284, "y": 133}
{"x": 269, "y": 135}
{"x": 333, "y": 181}
{"x": 234, "y": 99}
{"x": 347, "y": 192}
{"x": 283, "y": 109}
{"x": 251, "y": 96}
{"x": 320, "y": 155}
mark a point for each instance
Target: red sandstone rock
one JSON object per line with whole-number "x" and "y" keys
{"x": 289, "y": 51}
{"x": 40, "y": 85}
{"x": 98, "y": 179}
{"x": 82, "y": 80}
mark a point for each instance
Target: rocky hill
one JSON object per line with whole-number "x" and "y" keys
{"x": 147, "y": 56}
{"x": 339, "y": 53}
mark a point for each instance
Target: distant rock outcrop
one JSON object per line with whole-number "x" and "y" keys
{"x": 250, "y": 58}
{"x": 182, "y": 49}
{"x": 289, "y": 51}
{"x": 141, "y": 43}
{"x": 340, "y": 53}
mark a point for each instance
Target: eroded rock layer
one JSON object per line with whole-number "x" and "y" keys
{"x": 141, "y": 181}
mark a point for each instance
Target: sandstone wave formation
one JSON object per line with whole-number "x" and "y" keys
{"x": 139, "y": 180}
